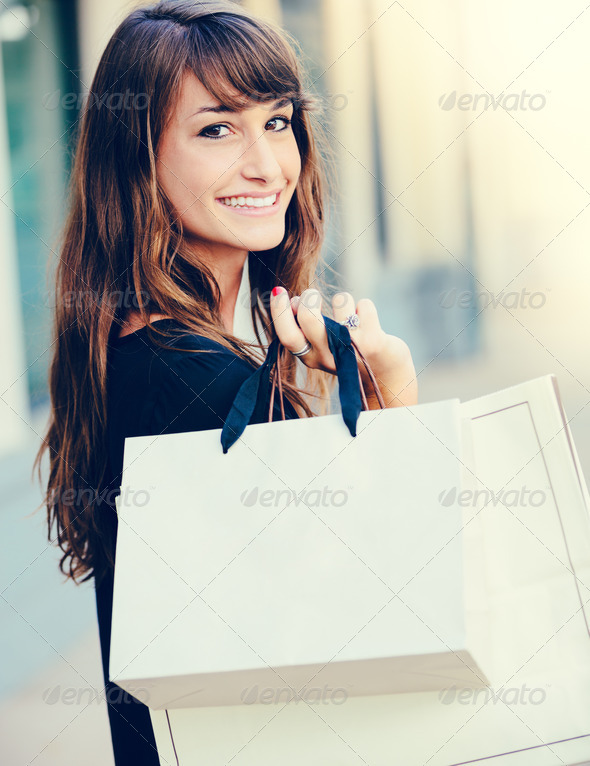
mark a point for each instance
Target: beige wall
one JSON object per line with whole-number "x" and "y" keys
{"x": 97, "y": 22}
{"x": 529, "y": 170}
{"x": 426, "y": 215}
{"x": 270, "y": 9}
{"x": 348, "y": 115}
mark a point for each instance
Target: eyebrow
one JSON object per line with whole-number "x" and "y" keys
{"x": 278, "y": 104}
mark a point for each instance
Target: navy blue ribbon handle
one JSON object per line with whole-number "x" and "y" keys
{"x": 349, "y": 390}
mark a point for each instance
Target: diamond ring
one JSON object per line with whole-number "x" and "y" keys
{"x": 352, "y": 321}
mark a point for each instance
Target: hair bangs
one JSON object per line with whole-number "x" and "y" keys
{"x": 221, "y": 57}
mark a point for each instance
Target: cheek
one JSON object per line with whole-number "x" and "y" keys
{"x": 169, "y": 171}
{"x": 176, "y": 171}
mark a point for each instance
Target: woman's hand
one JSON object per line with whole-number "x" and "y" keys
{"x": 299, "y": 320}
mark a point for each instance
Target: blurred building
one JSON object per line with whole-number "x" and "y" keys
{"x": 461, "y": 197}
{"x": 38, "y": 62}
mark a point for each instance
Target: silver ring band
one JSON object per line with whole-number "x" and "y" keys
{"x": 305, "y": 350}
{"x": 352, "y": 321}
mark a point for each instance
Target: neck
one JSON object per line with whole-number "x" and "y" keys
{"x": 229, "y": 279}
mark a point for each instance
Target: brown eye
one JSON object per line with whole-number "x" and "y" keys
{"x": 286, "y": 120}
{"x": 211, "y": 127}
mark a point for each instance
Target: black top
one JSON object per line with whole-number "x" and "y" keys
{"x": 151, "y": 390}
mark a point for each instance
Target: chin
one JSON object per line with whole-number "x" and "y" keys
{"x": 263, "y": 242}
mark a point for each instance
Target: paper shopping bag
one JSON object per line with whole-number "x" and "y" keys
{"x": 299, "y": 555}
{"x": 528, "y": 496}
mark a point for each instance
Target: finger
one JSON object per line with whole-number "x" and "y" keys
{"x": 311, "y": 321}
{"x": 368, "y": 317}
{"x": 287, "y": 329}
{"x": 295, "y": 303}
{"x": 343, "y": 305}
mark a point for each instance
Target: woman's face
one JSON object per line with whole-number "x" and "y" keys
{"x": 205, "y": 159}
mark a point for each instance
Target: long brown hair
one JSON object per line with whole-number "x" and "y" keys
{"x": 122, "y": 238}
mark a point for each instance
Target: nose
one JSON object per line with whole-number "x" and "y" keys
{"x": 260, "y": 161}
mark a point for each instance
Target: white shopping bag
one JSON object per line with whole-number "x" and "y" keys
{"x": 529, "y": 501}
{"x": 301, "y": 558}
{"x": 303, "y": 554}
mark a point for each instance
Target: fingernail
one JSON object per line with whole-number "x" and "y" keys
{"x": 277, "y": 290}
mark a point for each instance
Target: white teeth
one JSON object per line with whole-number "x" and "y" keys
{"x": 251, "y": 202}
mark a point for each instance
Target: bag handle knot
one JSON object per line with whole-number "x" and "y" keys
{"x": 350, "y": 386}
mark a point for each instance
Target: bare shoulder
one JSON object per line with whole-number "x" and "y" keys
{"x": 134, "y": 322}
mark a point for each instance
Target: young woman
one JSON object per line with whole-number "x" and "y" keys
{"x": 196, "y": 220}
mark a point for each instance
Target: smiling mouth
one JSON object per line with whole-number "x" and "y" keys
{"x": 251, "y": 203}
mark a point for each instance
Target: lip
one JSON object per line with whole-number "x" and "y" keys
{"x": 254, "y": 194}
{"x": 256, "y": 212}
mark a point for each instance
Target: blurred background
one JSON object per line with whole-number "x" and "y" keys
{"x": 461, "y": 129}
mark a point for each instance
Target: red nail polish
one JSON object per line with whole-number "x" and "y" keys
{"x": 277, "y": 290}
